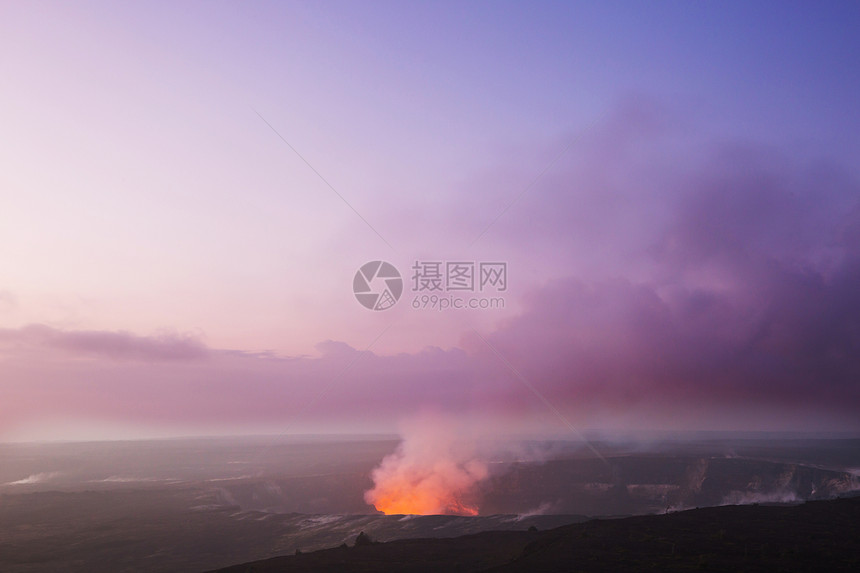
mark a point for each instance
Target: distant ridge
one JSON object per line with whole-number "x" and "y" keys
{"x": 814, "y": 536}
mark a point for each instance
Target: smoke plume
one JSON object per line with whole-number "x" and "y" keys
{"x": 432, "y": 472}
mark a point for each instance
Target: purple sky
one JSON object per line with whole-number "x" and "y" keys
{"x": 187, "y": 190}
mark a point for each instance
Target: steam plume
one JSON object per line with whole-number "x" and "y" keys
{"x": 430, "y": 473}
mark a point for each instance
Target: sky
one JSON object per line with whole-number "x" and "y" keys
{"x": 667, "y": 193}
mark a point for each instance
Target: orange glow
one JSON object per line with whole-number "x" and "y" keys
{"x": 420, "y": 501}
{"x": 446, "y": 491}
{"x": 430, "y": 473}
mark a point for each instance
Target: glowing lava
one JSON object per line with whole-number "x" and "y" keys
{"x": 418, "y": 500}
{"x": 429, "y": 474}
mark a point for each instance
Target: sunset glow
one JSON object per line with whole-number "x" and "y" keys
{"x": 623, "y": 217}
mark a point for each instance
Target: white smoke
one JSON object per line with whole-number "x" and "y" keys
{"x": 433, "y": 471}
{"x": 35, "y": 478}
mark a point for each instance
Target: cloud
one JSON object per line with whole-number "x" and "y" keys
{"x": 733, "y": 285}
{"x": 114, "y": 345}
{"x": 698, "y": 286}
{"x": 620, "y": 345}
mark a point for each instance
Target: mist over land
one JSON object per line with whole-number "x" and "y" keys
{"x": 198, "y": 504}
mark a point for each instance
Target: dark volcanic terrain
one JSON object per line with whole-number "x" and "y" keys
{"x": 200, "y": 504}
{"x": 815, "y": 536}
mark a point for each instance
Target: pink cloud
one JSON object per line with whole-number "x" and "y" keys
{"x": 720, "y": 281}
{"x": 117, "y": 345}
